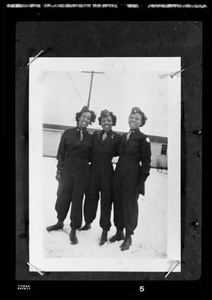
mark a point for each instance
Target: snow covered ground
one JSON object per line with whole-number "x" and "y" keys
{"x": 149, "y": 239}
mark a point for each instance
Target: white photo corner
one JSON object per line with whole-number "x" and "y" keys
{"x": 58, "y": 89}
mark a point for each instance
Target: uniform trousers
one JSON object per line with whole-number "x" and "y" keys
{"x": 125, "y": 197}
{"x": 75, "y": 176}
{"x": 100, "y": 186}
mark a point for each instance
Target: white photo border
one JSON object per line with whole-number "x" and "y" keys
{"x": 36, "y": 252}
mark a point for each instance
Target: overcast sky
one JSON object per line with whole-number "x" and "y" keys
{"x": 125, "y": 83}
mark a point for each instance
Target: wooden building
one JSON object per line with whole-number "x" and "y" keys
{"x": 52, "y": 134}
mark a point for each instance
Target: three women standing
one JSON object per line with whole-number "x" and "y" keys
{"x": 121, "y": 187}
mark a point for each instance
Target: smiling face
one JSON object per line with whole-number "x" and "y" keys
{"x": 84, "y": 120}
{"x": 107, "y": 123}
{"x": 135, "y": 121}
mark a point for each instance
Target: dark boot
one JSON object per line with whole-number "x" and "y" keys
{"x": 73, "y": 237}
{"x": 57, "y": 226}
{"x": 119, "y": 236}
{"x": 103, "y": 239}
{"x": 85, "y": 227}
{"x": 127, "y": 243}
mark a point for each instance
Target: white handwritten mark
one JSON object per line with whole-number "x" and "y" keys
{"x": 42, "y": 51}
{"x": 36, "y": 269}
{"x": 177, "y": 263}
{"x": 172, "y": 75}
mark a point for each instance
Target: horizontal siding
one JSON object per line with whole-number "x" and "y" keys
{"x": 158, "y": 160}
{"x": 51, "y": 139}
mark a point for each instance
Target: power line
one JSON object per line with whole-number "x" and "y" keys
{"x": 74, "y": 86}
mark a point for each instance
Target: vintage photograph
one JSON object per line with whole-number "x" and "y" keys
{"x": 104, "y": 164}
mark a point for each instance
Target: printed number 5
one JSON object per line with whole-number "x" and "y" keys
{"x": 141, "y": 288}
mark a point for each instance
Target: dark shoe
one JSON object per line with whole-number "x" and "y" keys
{"x": 119, "y": 236}
{"x": 57, "y": 226}
{"x": 127, "y": 243}
{"x": 103, "y": 239}
{"x": 85, "y": 227}
{"x": 73, "y": 238}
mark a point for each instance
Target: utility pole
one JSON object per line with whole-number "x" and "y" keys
{"x": 92, "y": 73}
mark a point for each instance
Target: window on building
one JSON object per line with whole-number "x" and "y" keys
{"x": 164, "y": 149}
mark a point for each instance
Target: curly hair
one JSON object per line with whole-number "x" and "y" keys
{"x": 93, "y": 116}
{"x": 114, "y": 119}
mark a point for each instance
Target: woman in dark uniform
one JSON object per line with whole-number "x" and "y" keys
{"x": 104, "y": 148}
{"x": 128, "y": 182}
{"x": 73, "y": 172}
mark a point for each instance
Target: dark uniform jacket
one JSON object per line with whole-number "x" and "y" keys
{"x": 70, "y": 146}
{"x": 136, "y": 150}
{"x": 104, "y": 151}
